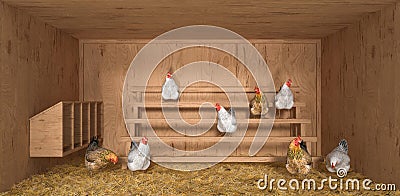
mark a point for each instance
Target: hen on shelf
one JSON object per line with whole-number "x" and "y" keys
{"x": 284, "y": 98}
{"x": 139, "y": 156}
{"x": 170, "y": 91}
{"x": 226, "y": 120}
{"x": 338, "y": 158}
{"x": 298, "y": 158}
{"x": 97, "y": 157}
{"x": 259, "y": 104}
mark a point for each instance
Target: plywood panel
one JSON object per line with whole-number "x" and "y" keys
{"x": 39, "y": 67}
{"x": 67, "y": 126}
{"x": 51, "y": 131}
{"x": 106, "y": 63}
{"x": 297, "y": 62}
{"x": 360, "y": 100}
{"x": 255, "y": 19}
{"x": 105, "y": 66}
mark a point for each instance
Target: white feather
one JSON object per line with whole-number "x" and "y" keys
{"x": 339, "y": 158}
{"x": 284, "y": 98}
{"x": 139, "y": 158}
{"x": 170, "y": 91}
{"x": 226, "y": 121}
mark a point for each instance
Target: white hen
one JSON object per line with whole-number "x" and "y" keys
{"x": 170, "y": 91}
{"x": 226, "y": 120}
{"x": 284, "y": 99}
{"x": 338, "y": 158}
{"x": 139, "y": 156}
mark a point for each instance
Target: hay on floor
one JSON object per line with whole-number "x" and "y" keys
{"x": 221, "y": 179}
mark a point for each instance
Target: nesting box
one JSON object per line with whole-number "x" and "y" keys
{"x": 65, "y": 128}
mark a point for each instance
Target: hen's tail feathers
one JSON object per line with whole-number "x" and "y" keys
{"x": 134, "y": 145}
{"x": 232, "y": 112}
{"x": 233, "y": 116}
{"x": 94, "y": 142}
{"x": 303, "y": 146}
{"x": 343, "y": 145}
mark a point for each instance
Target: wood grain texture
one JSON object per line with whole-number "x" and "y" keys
{"x": 105, "y": 67}
{"x": 106, "y": 63}
{"x": 271, "y": 19}
{"x": 360, "y": 96}
{"x": 39, "y": 67}
{"x": 57, "y": 131}
{"x": 47, "y": 128}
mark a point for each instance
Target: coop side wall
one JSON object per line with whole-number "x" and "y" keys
{"x": 361, "y": 96}
{"x": 39, "y": 67}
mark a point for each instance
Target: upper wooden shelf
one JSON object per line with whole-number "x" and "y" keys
{"x": 64, "y": 128}
{"x": 239, "y": 121}
{"x": 207, "y": 89}
{"x": 276, "y": 139}
{"x": 152, "y": 105}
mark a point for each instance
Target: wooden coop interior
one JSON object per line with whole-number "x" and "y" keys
{"x": 63, "y": 67}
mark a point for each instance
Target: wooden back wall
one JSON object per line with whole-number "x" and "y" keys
{"x": 105, "y": 63}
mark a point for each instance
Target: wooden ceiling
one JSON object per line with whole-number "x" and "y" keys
{"x": 123, "y": 19}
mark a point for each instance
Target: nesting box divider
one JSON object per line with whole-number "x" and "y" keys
{"x": 67, "y": 126}
{"x": 77, "y": 125}
{"x": 100, "y": 116}
{"x": 93, "y": 118}
{"x": 85, "y": 123}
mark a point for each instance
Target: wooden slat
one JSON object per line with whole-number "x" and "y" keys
{"x": 67, "y": 126}
{"x": 214, "y": 159}
{"x": 72, "y": 125}
{"x": 99, "y": 118}
{"x": 77, "y": 124}
{"x": 70, "y": 102}
{"x": 216, "y": 139}
{"x": 208, "y": 89}
{"x": 81, "y": 122}
{"x": 95, "y": 119}
{"x": 198, "y": 104}
{"x": 85, "y": 122}
{"x": 67, "y": 152}
{"x": 239, "y": 121}
{"x": 319, "y": 103}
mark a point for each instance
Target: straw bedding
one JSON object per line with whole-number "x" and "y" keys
{"x": 221, "y": 179}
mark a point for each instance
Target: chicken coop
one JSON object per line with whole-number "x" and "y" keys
{"x": 68, "y": 73}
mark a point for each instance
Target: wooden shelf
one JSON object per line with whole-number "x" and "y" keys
{"x": 64, "y": 128}
{"x": 245, "y": 159}
{"x": 292, "y": 122}
{"x": 272, "y": 139}
{"x": 208, "y": 89}
{"x": 239, "y": 121}
{"x": 197, "y": 105}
